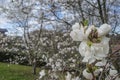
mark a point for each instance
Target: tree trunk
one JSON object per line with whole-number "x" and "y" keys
{"x": 34, "y": 66}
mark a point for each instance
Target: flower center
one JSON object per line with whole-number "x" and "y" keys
{"x": 93, "y": 36}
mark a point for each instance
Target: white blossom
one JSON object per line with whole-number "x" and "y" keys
{"x": 78, "y": 32}
{"x": 76, "y": 78}
{"x": 101, "y": 63}
{"x": 104, "y": 29}
{"x": 50, "y": 60}
{"x": 87, "y": 75}
{"x": 94, "y": 46}
{"x": 90, "y": 28}
{"x": 76, "y": 26}
{"x": 68, "y": 76}
{"x": 88, "y": 49}
{"x": 75, "y": 34}
{"x": 113, "y": 72}
{"x": 42, "y": 74}
{"x": 96, "y": 51}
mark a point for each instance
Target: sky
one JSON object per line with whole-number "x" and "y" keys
{"x": 4, "y": 22}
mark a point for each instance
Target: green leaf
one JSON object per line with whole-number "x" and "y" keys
{"x": 85, "y": 22}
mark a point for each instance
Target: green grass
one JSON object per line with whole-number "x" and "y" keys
{"x": 16, "y": 72}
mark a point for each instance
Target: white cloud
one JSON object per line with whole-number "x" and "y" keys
{"x": 3, "y": 20}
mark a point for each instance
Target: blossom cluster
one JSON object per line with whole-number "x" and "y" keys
{"x": 94, "y": 48}
{"x": 94, "y": 45}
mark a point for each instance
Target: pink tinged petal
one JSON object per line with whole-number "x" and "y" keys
{"x": 104, "y": 29}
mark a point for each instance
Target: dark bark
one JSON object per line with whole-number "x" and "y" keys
{"x": 105, "y": 11}
{"x": 100, "y": 11}
{"x": 34, "y": 66}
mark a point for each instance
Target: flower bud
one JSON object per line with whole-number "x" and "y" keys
{"x": 104, "y": 29}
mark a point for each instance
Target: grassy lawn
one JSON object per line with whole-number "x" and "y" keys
{"x": 16, "y": 72}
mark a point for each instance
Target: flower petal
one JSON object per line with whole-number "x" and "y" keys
{"x": 87, "y": 75}
{"x": 83, "y": 48}
{"x": 76, "y": 26}
{"x": 88, "y": 31}
{"x": 113, "y": 72}
{"x": 104, "y": 29}
{"x": 101, "y": 63}
{"x": 105, "y": 42}
{"x": 77, "y": 35}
